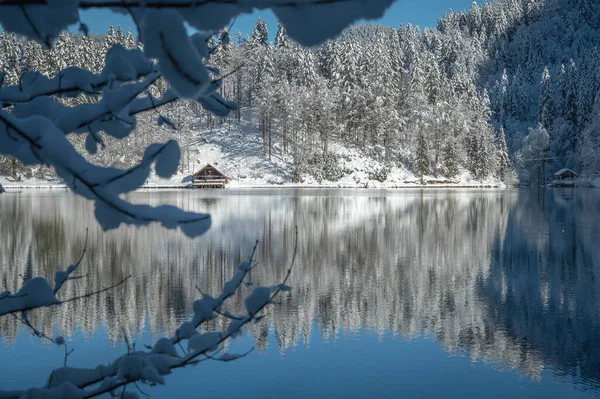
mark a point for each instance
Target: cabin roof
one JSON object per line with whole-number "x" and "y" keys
{"x": 563, "y": 171}
{"x": 209, "y": 165}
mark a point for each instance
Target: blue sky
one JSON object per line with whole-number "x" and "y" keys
{"x": 418, "y": 12}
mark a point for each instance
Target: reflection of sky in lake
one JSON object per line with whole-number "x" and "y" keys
{"x": 419, "y": 294}
{"x": 352, "y": 367}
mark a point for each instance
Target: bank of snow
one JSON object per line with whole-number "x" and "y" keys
{"x": 236, "y": 149}
{"x": 238, "y": 152}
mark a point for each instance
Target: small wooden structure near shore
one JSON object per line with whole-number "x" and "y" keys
{"x": 210, "y": 177}
{"x": 565, "y": 178}
{"x": 565, "y": 174}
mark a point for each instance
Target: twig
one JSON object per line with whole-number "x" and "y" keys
{"x": 76, "y": 265}
{"x": 123, "y": 391}
{"x": 126, "y": 338}
{"x": 9, "y": 296}
{"x": 228, "y": 315}
{"x": 192, "y": 358}
{"x": 253, "y": 252}
{"x": 249, "y": 318}
{"x": 28, "y": 324}
{"x": 67, "y": 353}
{"x": 95, "y": 292}
{"x": 228, "y": 360}
{"x": 140, "y": 389}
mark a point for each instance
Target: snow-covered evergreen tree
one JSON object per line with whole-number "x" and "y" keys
{"x": 260, "y": 33}
{"x": 450, "y": 159}
{"x": 422, "y": 155}
{"x": 111, "y": 38}
{"x": 281, "y": 39}
{"x": 504, "y": 170}
{"x": 546, "y": 106}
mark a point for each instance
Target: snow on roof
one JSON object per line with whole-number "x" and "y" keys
{"x": 212, "y": 166}
{"x": 563, "y": 171}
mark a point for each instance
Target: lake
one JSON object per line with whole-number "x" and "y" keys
{"x": 396, "y": 294}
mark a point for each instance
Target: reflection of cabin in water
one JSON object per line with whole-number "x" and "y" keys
{"x": 210, "y": 177}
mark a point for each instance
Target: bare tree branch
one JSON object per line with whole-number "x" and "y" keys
{"x": 87, "y": 295}
{"x": 192, "y": 357}
{"x": 70, "y": 270}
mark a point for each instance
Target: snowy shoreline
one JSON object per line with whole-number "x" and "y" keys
{"x": 176, "y": 183}
{"x": 368, "y": 186}
{"x": 379, "y": 186}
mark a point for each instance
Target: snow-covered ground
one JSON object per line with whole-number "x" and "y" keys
{"x": 237, "y": 151}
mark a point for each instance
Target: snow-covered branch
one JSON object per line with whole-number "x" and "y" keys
{"x": 38, "y": 293}
{"x": 160, "y": 359}
{"x": 36, "y": 140}
{"x": 60, "y": 277}
{"x": 122, "y": 66}
{"x": 34, "y": 119}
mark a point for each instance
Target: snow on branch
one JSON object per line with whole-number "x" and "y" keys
{"x": 37, "y": 293}
{"x": 163, "y": 357}
{"x": 60, "y": 277}
{"x": 35, "y": 120}
{"x": 121, "y": 66}
{"x": 43, "y": 20}
{"x": 35, "y": 131}
{"x": 36, "y": 140}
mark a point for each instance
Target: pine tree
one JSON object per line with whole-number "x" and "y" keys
{"x": 450, "y": 159}
{"x": 586, "y": 90}
{"x": 32, "y": 53}
{"x": 422, "y": 155}
{"x": 281, "y": 39}
{"x": 111, "y": 39}
{"x": 120, "y": 38}
{"x": 472, "y": 145}
{"x": 306, "y": 71}
{"x": 518, "y": 99}
{"x": 570, "y": 100}
{"x": 546, "y": 111}
{"x": 504, "y": 166}
{"x": 482, "y": 165}
{"x": 11, "y": 54}
{"x": 560, "y": 92}
{"x": 475, "y": 18}
{"x": 260, "y": 34}
{"x": 130, "y": 41}
{"x": 503, "y": 98}
{"x": 433, "y": 81}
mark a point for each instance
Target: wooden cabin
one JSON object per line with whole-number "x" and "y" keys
{"x": 565, "y": 174}
{"x": 210, "y": 177}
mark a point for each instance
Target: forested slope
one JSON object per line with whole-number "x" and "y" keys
{"x": 509, "y": 84}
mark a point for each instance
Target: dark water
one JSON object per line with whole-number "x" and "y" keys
{"x": 395, "y": 293}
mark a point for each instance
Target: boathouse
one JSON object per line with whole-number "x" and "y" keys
{"x": 565, "y": 174}
{"x": 210, "y": 177}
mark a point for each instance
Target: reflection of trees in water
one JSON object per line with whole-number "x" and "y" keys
{"x": 483, "y": 272}
{"x": 543, "y": 284}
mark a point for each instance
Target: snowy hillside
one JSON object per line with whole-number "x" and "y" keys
{"x": 512, "y": 85}
{"x": 238, "y": 151}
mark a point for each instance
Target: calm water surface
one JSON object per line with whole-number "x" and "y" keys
{"x": 396, "y": 294}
